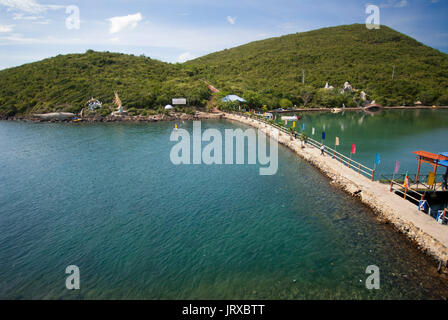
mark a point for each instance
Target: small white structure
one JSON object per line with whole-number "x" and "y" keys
{"x": 93, "y": 104}
{"x": 269, "y": 116}
{"x": 169, "y": 107}
{"x": 328, "y": 87}
{"x": 347, "y": 88}
{"x": 363, "y": 96}
{"x": 179, "y": 101}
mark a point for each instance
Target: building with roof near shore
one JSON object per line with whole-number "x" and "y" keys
{"x": 233, "y": 98}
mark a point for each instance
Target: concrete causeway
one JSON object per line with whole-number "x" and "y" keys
{"x": 430, "y": 236}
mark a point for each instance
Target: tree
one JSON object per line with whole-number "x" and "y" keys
{"x": 306, "y": 94}
{"x": 285, "y": 103}
{"x": 329, "y": 98}
{"x": 253, "y": 99}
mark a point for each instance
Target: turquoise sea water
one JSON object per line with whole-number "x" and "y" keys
{"x": 394, "y": 134}
{"x": 107, "y": 198}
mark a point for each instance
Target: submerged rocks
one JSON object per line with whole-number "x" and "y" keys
{"x": 56, "y": 116}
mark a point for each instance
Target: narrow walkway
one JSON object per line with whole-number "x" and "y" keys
{"x": 429, "y": 235}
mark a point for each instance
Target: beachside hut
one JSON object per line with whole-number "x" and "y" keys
{"x": 233, "y": 98}
{"x": 169, "y": 107}
{"x": 435, "y": 160}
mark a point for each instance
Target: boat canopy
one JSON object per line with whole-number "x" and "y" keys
{"x": 436, "y": 160}
{"x": 432, "y": 158}
{"x": 444, "y": 162}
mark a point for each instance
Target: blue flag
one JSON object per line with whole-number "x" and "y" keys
{"x": 378, "y": 159}
{"x": 323, "y": 135}
{"x": 303, "y": 126}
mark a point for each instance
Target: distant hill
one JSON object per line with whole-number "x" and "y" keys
{"x": 268, "y": 70}
{"x": 65, "y": 83}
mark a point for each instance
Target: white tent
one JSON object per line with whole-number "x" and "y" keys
{"x": 169, "y": 107}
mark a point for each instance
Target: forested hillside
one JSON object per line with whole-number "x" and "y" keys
{"x": 66, "y": 82}
{"x": 390, "y": 67}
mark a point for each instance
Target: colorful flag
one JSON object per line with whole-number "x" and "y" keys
{"x": 294, "y": 124}
{"x": 406, "y": 181}
{"x": 313, "y": 131}
{"x": 378, "y": 159}
{"x": 323, "y": 135}
{"x": 397, "y": 167}
{"x": 275, "y": 118}
{"x": 303, "y": 126}
{"x": 353, "y": 149}
{"x": 431, "y": 178}
{"x": 337, "y": 141}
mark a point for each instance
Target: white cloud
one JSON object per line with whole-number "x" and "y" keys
{"x": 43, "y": 22}
{"x": 28, "y": 9}
{"x": 394, "y": 4}
{"x": 119, "y": 23}
{"x": 5, "y": 28}
{"x": 231, "y": 20}
{"x": 21, "y": 16}
{"x": 169, "y": 38}
{"x": 29, "y": 6}
{"x": 185, "y": 57}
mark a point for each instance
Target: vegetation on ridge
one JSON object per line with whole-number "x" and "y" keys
{"x": 65, "y": 83}
{"x": 390, "y": 67}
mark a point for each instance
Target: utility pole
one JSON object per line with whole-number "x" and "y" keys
{"x": 393, "y": 73}
{"x": 303, "y": 76}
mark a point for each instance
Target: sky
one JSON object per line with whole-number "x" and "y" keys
{"x": 179, "y": 30}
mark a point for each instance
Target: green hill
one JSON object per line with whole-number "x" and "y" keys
{"x": 266, "y": 71}
{"x": 66, "y": 82}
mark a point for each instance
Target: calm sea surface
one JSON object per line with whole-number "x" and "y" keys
{"x": 107, "y": 198}
{"x": 394, "y": 134}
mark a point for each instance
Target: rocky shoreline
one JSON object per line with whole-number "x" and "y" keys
{"x": 174, "y": 116}
{"x": 429, "y": 236}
